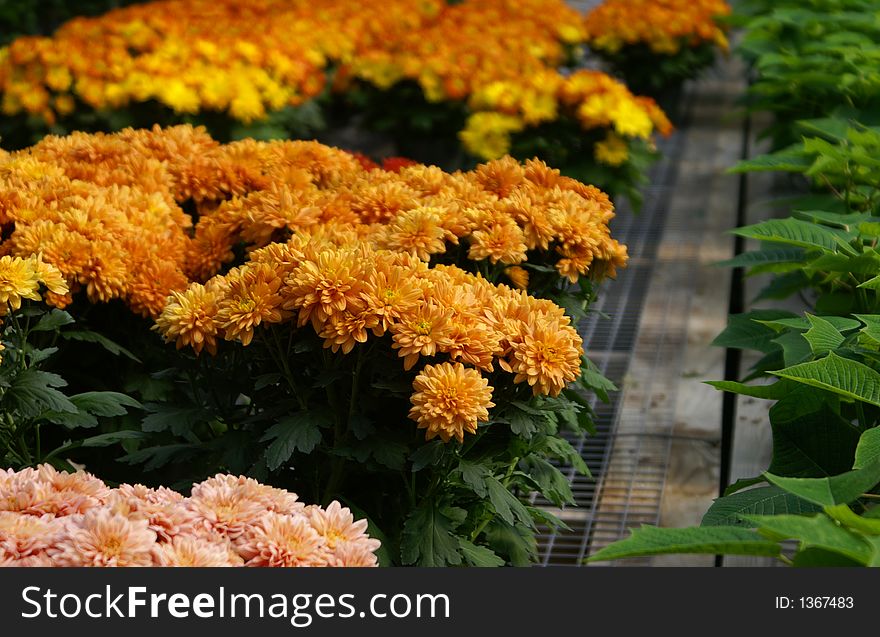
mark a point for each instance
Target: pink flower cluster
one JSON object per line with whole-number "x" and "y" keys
{"x": 51, "y": 518}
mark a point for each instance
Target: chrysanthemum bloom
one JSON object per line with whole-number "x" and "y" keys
{"x": 547, "y": 358}
{"x": 353, "y": 554}
{"x": 500, "y": 176}
{"x": 26, "y": 536}
{"x": 226, "y": 509}
{"x": 18, "y": 280}
{"x": 267, "y": 497}
{"x": 499, "y": 242}
{"x": 337, "y": 526}
{"x": 518, "y": 276}
{"x": 390, "y": 293}
{"x": 188, "y": 319}
{"x": 252, "y": 299}
{"x": 191, "y": 551}
{"x": 50, "y": 276}
{"x": 48, "y": 491}
{"x": 417, "y": 231}
{"x": 282, "y": 540}
{"x": 324, "y": 284}
{"x": 104, "y": 538}
{"x": 422, "y": 332}
{"x": 450, "y": 399}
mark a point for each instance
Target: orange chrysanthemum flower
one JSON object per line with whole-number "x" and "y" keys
{"x": 189, "y": 319}
{"x": 423, "y": 332}
{"x": 252, "y": 299}
{"x": 546, "y": 357}
{"x": 449, "y": 400}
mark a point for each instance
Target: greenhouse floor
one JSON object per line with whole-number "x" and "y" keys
{"x": 657, "y": 453}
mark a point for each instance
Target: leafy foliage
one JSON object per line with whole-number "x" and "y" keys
{"x": 35, "y": 407}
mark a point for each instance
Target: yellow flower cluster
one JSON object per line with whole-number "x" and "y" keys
{"x": 594, "y": 99}
{"x": 348, "y": 291}
{"x": 251, "y": 58}
{"x": 108, "y": 210}
{"x": 664, "y": 25}
{"x": 22, "y": 278}
{"x": 245, "y": 58}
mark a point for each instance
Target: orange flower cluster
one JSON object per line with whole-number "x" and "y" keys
{"x": 472, "y": 44}
{"x": 106, "y": 210}
{"x": 664, "y": 25}
{"x": 48, "y": 518}
{"x": 348, "y": 292}
{"x": 244, "y": 58}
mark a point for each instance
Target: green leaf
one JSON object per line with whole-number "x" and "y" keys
{"x": 744, "y": 331}
{"x": 179, "y": 420}
{"x": 52, "y": 320}
{"x": 40, "y": 355}
{"x": 32, "y": 392}
{"x": 868, "y": 448}
{"x": 820, "y": 558}
{"x": 728, "y": 510}
{"x": 840, "y": 323}
{"x": 104, "y": 403}
{"x": 105, "y": 440}
{"x": 478, "y": 555}
{"x": 553, "y": 485}
{"x": 822, "y": 335}
{"x": 71, "y": 420}
{"x": 817, "y": 531}
{"x": 764, "y": 257}
{"x": 872, "y": 325}
{"x": 794, "y": 348}
{"x": 474, "y": 475}
{"x": 842, "y": 376}
{"x": 88, "y": 336}
{"x": 871, "y": 284}
{"x": 298, "y": 432}
{"x": 389, "y": 453}
{"x": 813, "y": 445}
{"x": 506, "y": 505}
{"x": 793, "y": 232}
{"x": 157, "y": 457}
{"x": 428, "y": 539}
{"x": 791, "y": 159}
{"x": 516, "y": 542}
{"x": 742, "y": 483}
{"x": 427, "y": 455}
{"x": 714, "y": 540}
{"x": 772, "y": 391}
{"x": 563, "y": 450}
{"x": 840, "y": 489}
{"x": 846, "y": 516}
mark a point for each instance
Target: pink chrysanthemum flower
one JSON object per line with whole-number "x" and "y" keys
{"x": 189, "y": 550}
{"x": 165, "y": 518}
{"x": 23, "y": 537}
{"x": 104, "y": 538}
{"x": 270, "y": 498}
{"x": 223, "y": 508}
{"x": 352, "y": 554}
{"x": 282, "y": 540}
{"x": 337, "y": 525}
